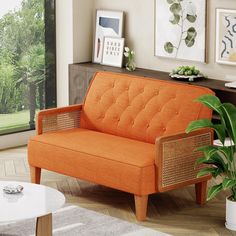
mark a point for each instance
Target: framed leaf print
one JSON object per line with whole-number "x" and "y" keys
{"x": 226, "y": 36}
{"x": 180, "y": 29}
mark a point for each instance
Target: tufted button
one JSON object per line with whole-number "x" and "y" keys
{"x": 148, "y": 126}
{"x": 164, "y": 128}
{"x": 157, "y": 93}
{"x": 127, "y": 88}
{"x": 177, "y": 113}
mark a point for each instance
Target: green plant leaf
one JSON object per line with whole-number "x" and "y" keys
{"x": 228, "y": 183}
{"x": 229, "y": 114}
{"x": 220, "y": 132}
{"x": 189, "y": 41}
{"x": 175, "y": 8}
{"x": 174, "y": 19}
{"x": 190, "y": 38}
{"x": 209, "y": 151}
{"x": 191, "y": 18}
{"x": 226, "y": 151}
{"x": 205, "y": 123}
{"x": 169, "y": 47}
{"x": 198, "y": 124}
{"x": 214, "y": 191}
{"x": 214, "y": 171}
{"x": 191, "y": 32}
{"x": 170, "y": 1}
{"x": 215, "y": 159}
{"x": 211, "y": 101}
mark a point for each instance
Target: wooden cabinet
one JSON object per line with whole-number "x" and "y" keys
{"x": 81, "y": 74}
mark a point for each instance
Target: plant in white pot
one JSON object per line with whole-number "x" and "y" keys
{"x": 221, "y": 159}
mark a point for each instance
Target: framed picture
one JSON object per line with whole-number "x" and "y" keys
{"x": 180, "y": 29}
{"x": 226, "y": 36}
{"x": 108, "y": 23}
{"x": 113, "y": 49}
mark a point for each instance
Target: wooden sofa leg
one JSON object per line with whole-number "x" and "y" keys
{"x": 35, "y": 174}
{"x": 201, "y": 192}
{"x": 141, "y": 206}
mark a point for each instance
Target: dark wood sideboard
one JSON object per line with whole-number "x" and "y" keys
{"x": 80, "y": 75}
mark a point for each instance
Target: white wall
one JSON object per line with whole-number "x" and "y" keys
{"x": 139, "y": 34}
{"x": 74, "y": 20}
{"x": 64, "y": 35}
{"x": 83, "y": 18}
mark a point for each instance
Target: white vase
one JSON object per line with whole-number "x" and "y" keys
{"x": 230, "y": 215}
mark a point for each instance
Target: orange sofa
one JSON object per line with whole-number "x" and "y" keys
{"x": 129, "y": 134}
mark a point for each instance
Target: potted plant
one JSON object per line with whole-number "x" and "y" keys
{"x": 130, "y": 65}
{"x": 221, "y": 159}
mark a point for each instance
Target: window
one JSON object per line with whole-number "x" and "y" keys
{"x": 27, "y": 62}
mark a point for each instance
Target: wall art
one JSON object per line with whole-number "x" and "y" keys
{"x": 113, "y": 49}
{"x": 226, "y": 36}
{"x": 180, "y": 29}
{"x": 108, "y": 23}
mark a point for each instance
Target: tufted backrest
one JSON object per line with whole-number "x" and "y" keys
{"x": 140, "y": 108}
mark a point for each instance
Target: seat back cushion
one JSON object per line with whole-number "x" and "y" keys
{"x": 140, "y": 108}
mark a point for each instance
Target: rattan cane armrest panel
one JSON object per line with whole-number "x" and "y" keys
{"x": 176, "y": 158}
{"x": 58, "y": 119}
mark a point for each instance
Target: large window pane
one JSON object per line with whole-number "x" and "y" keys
{"x": 27, "y": 62}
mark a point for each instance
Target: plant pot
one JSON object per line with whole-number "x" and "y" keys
{"x": 230, "y": 215}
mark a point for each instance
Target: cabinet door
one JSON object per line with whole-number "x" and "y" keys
{"x": 90, "y": 74}
{"x": 77, "y": 85}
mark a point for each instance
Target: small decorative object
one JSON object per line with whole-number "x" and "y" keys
{"x": 180, "y": 29}
{"x": 189, "y": 73}
{"x": 221, "y": 158}
{"x": 130, "y": 65}
{"x": 113, "y": 51}
{"x": 13, "y": 189}
{"x": 108, "y": 23}
{"x": 226, "y": 36}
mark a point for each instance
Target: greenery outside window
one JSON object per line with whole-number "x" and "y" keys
{"x": 27, "y": 62}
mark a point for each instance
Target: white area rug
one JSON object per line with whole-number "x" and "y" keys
{"x": 75, "y": 221}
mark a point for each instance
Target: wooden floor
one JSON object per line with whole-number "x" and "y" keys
{"x": 174, "y": 212}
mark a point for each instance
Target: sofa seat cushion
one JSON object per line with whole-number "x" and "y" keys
{"x": 106, "y": 159}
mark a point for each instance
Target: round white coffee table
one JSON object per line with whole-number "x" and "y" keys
{"x": 35, "y": 201}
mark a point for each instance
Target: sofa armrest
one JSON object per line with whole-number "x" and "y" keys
{"x": 176, "y": 157}
{"x": 58, "y": 119}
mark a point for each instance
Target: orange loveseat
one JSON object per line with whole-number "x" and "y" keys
{"x": 129, "y": 134}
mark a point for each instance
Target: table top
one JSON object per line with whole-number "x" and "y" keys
{"x": 34, "y": 201}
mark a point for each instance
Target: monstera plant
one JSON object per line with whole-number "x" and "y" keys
{"x": 221, "y": 159}
{"x": 182, "y": 14}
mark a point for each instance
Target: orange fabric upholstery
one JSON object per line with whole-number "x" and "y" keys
{"x": 140, "y": 108}
{"x": 109, "y": 160}
{"x": 111, "y": 139}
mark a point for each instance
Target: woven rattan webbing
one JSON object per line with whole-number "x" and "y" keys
{"x": 179, "y": 157}
{"x": 61, "y": 121}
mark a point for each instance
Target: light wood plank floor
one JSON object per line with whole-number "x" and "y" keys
{"x": 174, "y": 212}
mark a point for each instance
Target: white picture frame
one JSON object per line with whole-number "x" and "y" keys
{"x": 225, "y": 36}
{"x": 113, "y": 50}
{"x": 108, "y": 23}
{"x": 173, "y": 25}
